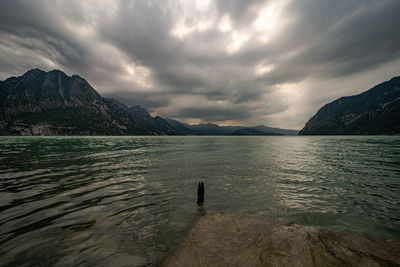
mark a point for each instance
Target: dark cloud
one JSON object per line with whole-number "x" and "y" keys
{"x": 272, "y": 62}
{"x": 338, "y": 38}
{"x": 150, "y": 102}
{"x": 240, "y": 11}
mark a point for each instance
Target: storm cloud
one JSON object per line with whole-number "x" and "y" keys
{"x": 227, "y": 62}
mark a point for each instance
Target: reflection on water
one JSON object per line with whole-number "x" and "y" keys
{"x": 116, "y": 200}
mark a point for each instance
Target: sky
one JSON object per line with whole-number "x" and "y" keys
{"x": 226, "y": 62}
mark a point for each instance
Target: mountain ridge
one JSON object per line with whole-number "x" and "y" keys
{"x": 53, "y": 103}
{"x": 375, "y": 111}
{"x": 252, "y": 132}
{"x": 215, "y": 129}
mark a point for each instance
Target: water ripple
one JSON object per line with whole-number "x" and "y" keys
{"x": 87, "y": 200}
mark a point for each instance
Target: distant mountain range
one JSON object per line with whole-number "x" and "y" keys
{"x": 376, "y": 111}
{"x": 214, "y": 129}
{"x": 52, "y": 103}
{"x": 252, "y": 131}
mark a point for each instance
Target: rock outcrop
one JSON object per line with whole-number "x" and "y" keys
{"x": 228, "y": 240}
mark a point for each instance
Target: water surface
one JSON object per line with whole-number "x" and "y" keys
{"x": 115, "y": 200}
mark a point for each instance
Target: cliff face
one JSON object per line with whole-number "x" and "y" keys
{"x": 52, "y": 103}
{"x": 376, "y": 111}
{"x": 37, "y": 91}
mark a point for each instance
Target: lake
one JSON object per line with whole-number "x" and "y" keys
{"x": 116, "y": 200}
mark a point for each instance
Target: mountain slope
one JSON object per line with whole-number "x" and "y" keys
{"x": 376, "y": 111}
{"x": 157, "y": 123}
{"x": 52, "y": 103}
{"x": 180, "y": 127}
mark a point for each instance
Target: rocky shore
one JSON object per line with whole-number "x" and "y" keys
{"x": 229, "y": 240}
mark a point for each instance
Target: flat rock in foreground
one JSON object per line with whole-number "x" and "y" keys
{"x": 228, "y": 240}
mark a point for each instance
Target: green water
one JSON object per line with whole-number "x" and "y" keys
{"x": 116, "y": 200}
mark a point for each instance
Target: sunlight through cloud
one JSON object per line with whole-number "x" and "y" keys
{"x": 270, "y": 19}
{"x": 238, "y": 39}
{"x": 225, "y": 24}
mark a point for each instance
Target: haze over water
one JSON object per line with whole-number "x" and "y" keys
{"x": 110, "y": 200}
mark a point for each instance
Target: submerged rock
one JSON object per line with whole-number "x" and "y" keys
{"x": 228, "y": 240}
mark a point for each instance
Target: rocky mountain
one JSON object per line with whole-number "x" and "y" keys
{"x": 52, "y": 103}
{"x": 251, "y": 131}
{"x": 376, "y": 111}
{"x": 157, "y": 123}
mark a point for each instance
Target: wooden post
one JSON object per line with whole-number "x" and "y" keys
{"x": 200, "y": 194}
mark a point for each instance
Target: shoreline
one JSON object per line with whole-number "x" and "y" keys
{"x": 230, "y": 240}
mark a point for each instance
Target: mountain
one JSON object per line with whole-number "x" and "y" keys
{"x": 180, "y": 127}
{"x": 251, "y": 131}
{"x": 214, "y": 129}
{"x": 266, "y": 129}
{"x": 376, "y": 111}
{"x": 52, "y": 103}
{"x": 157, "y": 123}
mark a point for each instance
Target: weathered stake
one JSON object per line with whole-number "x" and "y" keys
{"x": 200, "y": 194}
